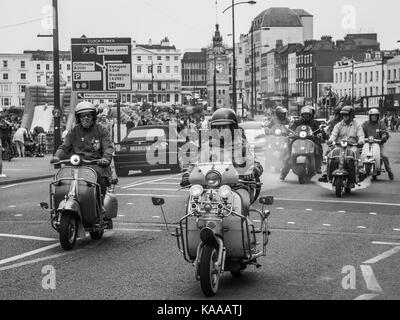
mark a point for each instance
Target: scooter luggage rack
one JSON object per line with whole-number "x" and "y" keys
{"x": 180, "y": 236}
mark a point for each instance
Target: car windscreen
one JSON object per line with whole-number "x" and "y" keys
{"x": 146, "y": 134}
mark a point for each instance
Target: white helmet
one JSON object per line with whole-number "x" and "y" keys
{"x": 84, "y": 107}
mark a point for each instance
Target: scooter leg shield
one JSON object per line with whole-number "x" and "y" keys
{"x": 111, "y": 206}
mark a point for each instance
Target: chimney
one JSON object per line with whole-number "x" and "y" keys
{"x": 133, "y": 44}
{"x": 150, "y": 42}
{"x": 279, "y": 44}
{"x": 165, "y": 42}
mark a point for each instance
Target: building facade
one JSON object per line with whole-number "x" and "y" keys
{"x": 156, "y": 74}
{"x": 194, "y": 74}
{"x": 17, "y": 71}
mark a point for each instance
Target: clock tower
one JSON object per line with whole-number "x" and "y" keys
{"x": 218, "y": 73}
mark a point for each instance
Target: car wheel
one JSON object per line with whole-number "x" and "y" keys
{"x": 121, "y": 172}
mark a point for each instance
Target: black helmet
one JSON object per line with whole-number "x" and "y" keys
{"x": 223, "y": 117}
{"x": 281, "y": 113}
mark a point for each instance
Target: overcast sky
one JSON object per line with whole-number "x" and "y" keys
{"x": 189, "y": 24}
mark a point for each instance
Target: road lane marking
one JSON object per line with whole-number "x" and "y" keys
{"x": 342, "y": 211}
{"x": 149, "y": 195}
{"x": 370, "y": 280}
{"x": 166, "y": 183}
{"x": 158, "y": 189}
{"x": 6, "y": 235}
{"x": 27, "y": 254}
{"x": 23, "y": 183}
{"x": 21, "y": 264}
{"x": 280, "y": 208}
{"x": 147, "y": 181}
{"x": 157, "y": 217}
{"x": 342, "y": 202}
{"x": 308, "y": 209}
{"x": 373, "y": 213}
{"x": 290, "y": 222}
{"x": 368, "y": 296}
{"x": 133, "y": 183}
{"x": 121, "y": 215}
{"x": 382, "y": 256}
{"x": 386, "y": 243}
{"x": 396, "y": 229}
{"x": 18, "y": 215}
{"x": 361, "y": 227}
{"x": 135, "y": 230}
{"x": 12, "y": 206}
{"x": 326, "y": 225}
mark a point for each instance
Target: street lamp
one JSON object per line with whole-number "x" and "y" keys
{"x": 56, "y": 77}
{"x": 233, "y": 41}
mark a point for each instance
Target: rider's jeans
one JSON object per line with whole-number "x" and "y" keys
{"x": 385, "y": 159}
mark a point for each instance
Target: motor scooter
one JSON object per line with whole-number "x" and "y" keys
{"x": 342, "y": 168}
{"x": 276, "y": 148}
{"x": 303, "y": 153}
{"x": 76, "y": 204}
{"x": 217, "y": 234}
{"x": 371, "y": 157}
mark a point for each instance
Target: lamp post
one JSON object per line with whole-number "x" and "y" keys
{"x": 234, "y": 102}
{"x": 56, "y": 77}
{"x": 152, "y": 84}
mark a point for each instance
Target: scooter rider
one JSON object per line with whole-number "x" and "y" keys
{"x": 231, "y": 146}
{"x": 377, "y": 129}
{"x": 279, "y": 119}
{"x": 90, "y": 141}
{"x": 350, "y": 130}
{"x": 337, "y": 118}
{"x": 307, "y": 119}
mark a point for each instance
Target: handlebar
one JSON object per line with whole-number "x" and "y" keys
{"x": 373, "y": 140}
{"x": 83, "y": 161}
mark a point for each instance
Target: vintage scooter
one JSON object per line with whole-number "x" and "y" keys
{"x": 371, "y": 157}
{"x": 217, "y": 234}
{"x": 302, "y": 153}
{"x": 276, "y": 147}
{"x": 341, "y": 168}
{"x": 76, "y": 204}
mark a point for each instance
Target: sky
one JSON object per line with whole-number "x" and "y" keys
{"x": 189, "y": 24}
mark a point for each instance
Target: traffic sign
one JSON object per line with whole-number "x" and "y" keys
{"x": 97, "y": 95}
{"x": 101, "y": 64}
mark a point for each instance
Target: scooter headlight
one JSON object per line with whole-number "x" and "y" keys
{"x": 343, "y": 144}
{"x": 224, "y": 192}
{"x": 278, "y": 132}
{"x": 213, "y": 179}
{"x": 303, "y": 134}
{"x": 196, "y": 191}
{"x": 75, "y": 160}
{"x": 371, "y": 139}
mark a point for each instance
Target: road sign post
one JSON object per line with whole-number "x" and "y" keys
{"x": 102, "y": 69}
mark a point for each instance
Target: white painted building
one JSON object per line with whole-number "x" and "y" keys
{"x": 367, "y": 80}
{"x": 29, "y": 68}
{"x": 292, "y": 73}
{"x": 166, "y": 61}
{"x": 393, "y": 69}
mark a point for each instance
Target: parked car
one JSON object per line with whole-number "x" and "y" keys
{"x": 132, "y": 153}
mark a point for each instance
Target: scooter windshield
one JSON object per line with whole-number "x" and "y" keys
{"x": 225, "y": 171}
{"x": 84, "y": 173}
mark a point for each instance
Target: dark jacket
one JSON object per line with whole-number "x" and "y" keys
{"x": 319, "y": 135}
{"x": 91, "y": 144}
{"x": 377, "y": 130}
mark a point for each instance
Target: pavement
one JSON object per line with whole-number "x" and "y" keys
{"x": 26, "y": 169}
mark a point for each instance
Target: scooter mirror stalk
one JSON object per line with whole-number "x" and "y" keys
{"x": 44, "y": 205}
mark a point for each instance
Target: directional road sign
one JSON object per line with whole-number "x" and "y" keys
{"x": 101, "y": 64}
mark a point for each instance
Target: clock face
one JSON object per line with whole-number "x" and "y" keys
{"x": 220, "y": 67}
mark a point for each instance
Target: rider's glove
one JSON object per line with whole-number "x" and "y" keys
{"x": 384, "y": 139}
{"x": 248, "y": 176}
{"x": 329, "y": 142}
{"x": 185, "y": 181}
{"x": 54, "y": 160}
{"x": 103, "y": 163}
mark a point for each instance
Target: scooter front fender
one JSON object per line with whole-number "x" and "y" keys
{"x": 72, "y": 206}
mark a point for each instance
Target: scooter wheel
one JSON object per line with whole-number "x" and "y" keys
{"x": 68, "y": 231}
{"x": 339, "y": 187}
{"x": 97, "y": 235}
{"x": 209, "y": 276}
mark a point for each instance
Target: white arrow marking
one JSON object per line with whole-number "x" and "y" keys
{"x": 370, "y": 280}
{"x": 382, "y": 256}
